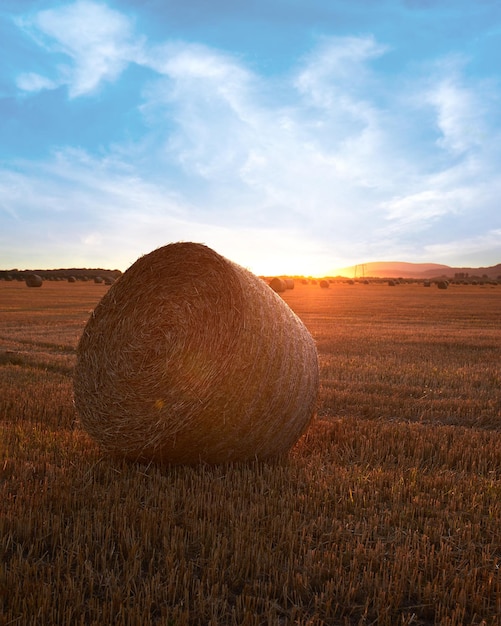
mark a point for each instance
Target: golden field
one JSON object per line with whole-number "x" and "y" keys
{"x": 386, "y": 512}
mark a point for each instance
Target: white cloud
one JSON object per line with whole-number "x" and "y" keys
{"x": 427, "y": 205}
{"x": 98, "y": 40}
{"x": 211, "y": 99}
{"x": 338, "y": 67}
{"x": 460, "y": 116}
{"x": 31, "y": 81}
{"x": 92, "y": 239}
{"x": 188, "y": 62}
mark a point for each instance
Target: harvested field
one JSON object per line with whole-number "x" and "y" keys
{"x": 386, "y": 512}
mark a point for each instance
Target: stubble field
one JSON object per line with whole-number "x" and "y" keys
{"x": 387, "y": 511}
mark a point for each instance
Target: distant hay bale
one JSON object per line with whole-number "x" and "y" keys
{"x": 443, "y": 284}
{"x": 289, "y": 283}
{"x": 33, "y": 280}
{"x": 109, "y": 280}
{"x": 189, "y": 357}
{"x": 324, "y": 284}
{"x": 278, "y": 284}
{"x": 72, "y": 279}
{"x": 98, "y": 279}
{"x": 392, "y": 283}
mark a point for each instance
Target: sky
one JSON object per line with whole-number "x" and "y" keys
{"x": 291, "y": 136}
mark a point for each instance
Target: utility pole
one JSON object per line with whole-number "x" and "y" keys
{"x": 361, "y": 268}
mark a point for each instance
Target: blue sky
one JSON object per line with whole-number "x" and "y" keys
{"x": 292, "y": 136}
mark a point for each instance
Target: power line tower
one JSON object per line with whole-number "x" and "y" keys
{"x": 360, "y": 271}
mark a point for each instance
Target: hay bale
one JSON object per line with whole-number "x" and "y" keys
{"x": 98, "y": 280}
{"x": 33, "y": 280}
{"x": 443, "y": 284}
{"x": 289, "y": 283}
{"x": 190, "y": 357}
{"x": 278, "y": 284}
{"x": 324, "y": 284}
{"x": 72, "y": 279}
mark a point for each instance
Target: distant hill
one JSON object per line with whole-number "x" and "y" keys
{"x": 397, "y": 269}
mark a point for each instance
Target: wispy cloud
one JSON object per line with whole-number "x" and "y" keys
{"x": 30, "y": 81}
{"x": 462, "y": 110}
{"x": 96, "y": 41}
{"x": 337, "y": 67}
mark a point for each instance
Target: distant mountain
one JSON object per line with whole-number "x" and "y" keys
{"x": 398, "y": 269}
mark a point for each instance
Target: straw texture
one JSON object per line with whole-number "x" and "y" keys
{"x": 189, "y": 357}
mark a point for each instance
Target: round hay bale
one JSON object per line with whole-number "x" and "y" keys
{"x": 98, "y": 280}
{"x": 324, "y": 284}
{"x": 289, "y": 283}
{"x": 190, "y": 357}
{"x": 278, "y": 284}
{"x": 33, "y": 280}
{"x": 443, "y": 284}
{"x": 72, "y": 279}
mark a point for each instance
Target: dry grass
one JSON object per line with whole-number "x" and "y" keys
{"x": 417, "y": 355}
{"x": 386, "y": 512}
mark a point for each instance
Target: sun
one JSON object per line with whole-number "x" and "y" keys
{"x": 307, "y": 267}
{"x": 283, "y": 255}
